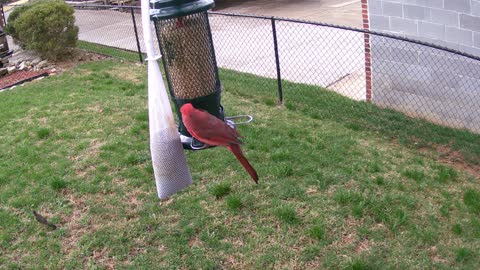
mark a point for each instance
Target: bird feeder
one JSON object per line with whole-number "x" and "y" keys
{"x": 185, "y": 41}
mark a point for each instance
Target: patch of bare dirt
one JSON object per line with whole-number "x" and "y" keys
{"x": 194, "y": 242}
{"x": 79, "y": 56}
{"x": 454, "y": 159}
{"x": 379, "y": 226}
{"x": 311, "y": 191}
{"x": 237, "y": 242}
{"x": 449, "y": 157}
{"x": 347, "y": 239}
{"x": 348, "y": 236}
{"x": 432, "y": 252}
{"x": 101, "y": 257}
{"x": 313, "y": 265}
{"x": 131, "y": 195}
{"x": 231, "y": 263}
{"x": 363, "y": 245}
{"x": 78, "y": 223}
{"x": 91, "y": 152}
{"x": 97, "y": 107}
{"x": 75, "y": 229}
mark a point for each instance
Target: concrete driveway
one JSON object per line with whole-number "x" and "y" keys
{"x": 340, "y": 12}
{"x": 308, "y": 54}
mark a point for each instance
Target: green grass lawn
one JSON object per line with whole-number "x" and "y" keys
{"x": 343, "y": 184}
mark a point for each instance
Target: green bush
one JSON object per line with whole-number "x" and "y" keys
{"x": 46, "y": 26}
{"x": 9, "y": 28}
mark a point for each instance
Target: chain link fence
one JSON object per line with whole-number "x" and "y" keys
{"x": 296, "y": 58}
{"x": 102, "y": 27}
{"x": 439, "y": 85}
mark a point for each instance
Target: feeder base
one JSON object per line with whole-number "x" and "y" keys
{"x": 190, "y": 143}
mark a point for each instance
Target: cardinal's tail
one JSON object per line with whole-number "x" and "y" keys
{"x": 235, "y": 149}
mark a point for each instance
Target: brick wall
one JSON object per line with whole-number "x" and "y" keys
{"x": 418, "y": 80}
{"x": 451, "y": 23}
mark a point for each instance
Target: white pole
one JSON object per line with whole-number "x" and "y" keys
{"x": 168, "y": 158}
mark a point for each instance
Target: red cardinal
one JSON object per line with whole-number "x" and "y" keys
{"x": 213, "y": 131}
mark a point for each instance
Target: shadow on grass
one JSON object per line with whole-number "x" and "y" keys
{"x": 108, "y": 51}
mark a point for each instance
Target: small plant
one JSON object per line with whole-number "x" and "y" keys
{"x": 416, "y": 175}
{"x": 446, "y": 174}
{"x": 220, "y": 190}
{"x": 358, "y": 264}
{"x": 379, "y": 180}
{"x": 309, "y": 253}
{"x": 457, "y": 229}
{"x": 234, "y": 202}
{"x": 43, "y": 133}
{"x": 317, "y": 232}
{"x": 345, "y": 197}
{"x": 374, "y": 167}
{"x": 46, "y": 26}
{"x": 287, "y": 214}
{"x": 57, "y": 184}
{"x": 463, "y": 254}
{"x": 471, "y": 198}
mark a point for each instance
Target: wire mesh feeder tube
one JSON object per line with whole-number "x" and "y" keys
{"x": 189, "y": 60}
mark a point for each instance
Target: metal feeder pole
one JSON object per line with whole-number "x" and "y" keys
{"x": 188, "y": 55}
{"x": 4, "y": 48}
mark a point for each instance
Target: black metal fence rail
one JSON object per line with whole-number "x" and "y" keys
{"x": 417, "y": 78}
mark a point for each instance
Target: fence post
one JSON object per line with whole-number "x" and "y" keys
{"x": 140, "y": 56}
{"x": 277, "y": 61}
{"x": 368, "y": 56}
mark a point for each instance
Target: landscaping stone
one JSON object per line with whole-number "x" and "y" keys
{"x": 35, "y": 61}
{"x": 22, "y": 66}
{"x": 42, "y": 64}
{"x": 22, "y": 56}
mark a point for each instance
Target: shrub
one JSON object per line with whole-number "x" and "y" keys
{"x": 46, "y": 26}
{"x": 9, "y": 28}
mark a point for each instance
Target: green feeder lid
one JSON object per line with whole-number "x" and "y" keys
{"x": 168, "y": 9}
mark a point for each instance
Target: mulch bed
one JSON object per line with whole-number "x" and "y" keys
{"x": 19, "y": 77}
